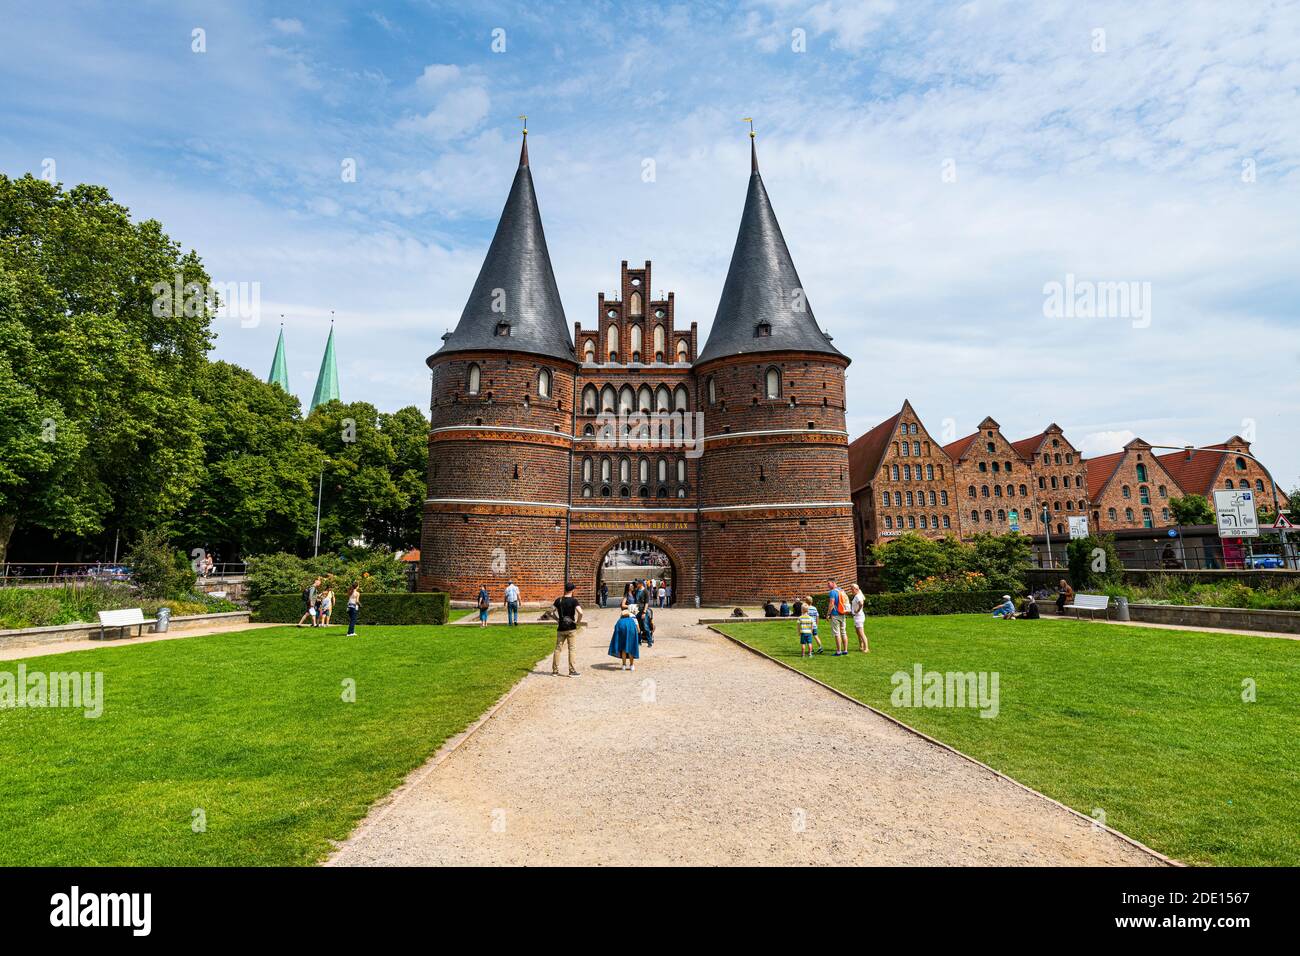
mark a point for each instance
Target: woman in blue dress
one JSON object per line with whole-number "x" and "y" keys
{"x": 626, "y": 642}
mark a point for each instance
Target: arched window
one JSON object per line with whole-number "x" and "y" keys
{"x": 907, "y": 472}
{"x": 773, "y": 382}
{"x": 984, "y": 491}
{"x": 713, "y": 391}
{"x": 943, "y": 498}
{"x": 1147, "y": 522}
{"x": 544, "y": 383}
{"x": 1228, "y": 484}
{"x": 898, "y": 499}
{"x": 1002, "y": 515}
{"x": 634, "y": 342}
{"x": 905, "y": 448}
{"x": 589, "y": 351}
{"x": 929, "y": 472}
{"x": 884, "y": 498}
{"x": 997, "y": 491}
{"x": 643, "y": 470}
{"x": 589, "y": 399}
{"x": 663, "y": 469}
{"x": 634, "y": 304}
{"x": 682, "y": 351}
{"x": 1126, "y": 491}
{"x": 626, "y": 400}
{"x": 1110, "y": 513}
{"x": 988, "y": 515}
{"x": 1241, "y": 464}
{"x": 1142, "y": 472}
{"x": 947, "y": 522}
{"x": 889, "y": 522}
{"x": 1128, "y": 514}
{"x": 589, "y": 432}
{"x": 975, "y": 517}
{"x": 970, "y": 492}
{"x": 894, "y": 472}
{"x": 624, "y": 470}
{"x": 611, "y": 343}
{"x": 586, "y": 469}
{"x": 663, "y": 399}
{"x": 586, "y": 491}
{"x": 916, "y": 449}
{"x": 1259, "y": 485}
{"x": 682, "y": 398}
{"x": 607, "y": 398}
{"x": 474, "y": 378}
{"x": 659, "y": 343}
{"x": 605, "y": 471}
{"x": 681, "y": 469}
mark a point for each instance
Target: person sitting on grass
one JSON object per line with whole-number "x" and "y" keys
{"x": 785, "y": 608}
{"x": 805, "y": 634}
{"x": 1030, "y": 613}
{"x": 1006, "y": 610}
{"x": 769, "y": 609}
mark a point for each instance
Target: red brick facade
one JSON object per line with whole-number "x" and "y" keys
{"x": 1060, "y": 481}
{"x": 995, "y": 485}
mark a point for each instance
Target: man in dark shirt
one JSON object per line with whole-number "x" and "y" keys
{"x": 568, "y": 612}
{"x": 642, "y": 618}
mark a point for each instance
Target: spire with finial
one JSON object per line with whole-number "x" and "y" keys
{"x": 279, "y": 366}
{"x": 764, "y": 306}
{"x": 515, "y": 304}
{"x": 753, "y": 150}
{"x": 523, "y": 150}
{"x": 327, "y": 382}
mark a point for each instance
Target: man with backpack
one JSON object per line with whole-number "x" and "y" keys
{"x": 837, "y": 608}
{"x": 568, "y": 612}
{"x": 309, "y": 603}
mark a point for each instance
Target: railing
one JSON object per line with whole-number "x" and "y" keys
{"x": 30, "y": 573}
{"x": 1193, "y": 554}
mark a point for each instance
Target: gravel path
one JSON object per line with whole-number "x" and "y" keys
{"x": 708, "y": 754}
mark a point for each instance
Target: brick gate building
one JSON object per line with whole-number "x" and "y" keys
{"x": 546, "y": 452}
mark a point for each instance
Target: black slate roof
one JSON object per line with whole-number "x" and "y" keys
{"x": 762, "y": 287}
{"x": 518, "y": 264}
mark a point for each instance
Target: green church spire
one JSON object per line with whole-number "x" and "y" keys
{"x": 279, "y": 369}
{"x": 327, "y": 382}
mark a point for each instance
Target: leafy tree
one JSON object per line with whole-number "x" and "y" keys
{"x": 1191, "y": 509}
{"x": 910, "y": 558}
{"x": 1094, "y": 562}
{"x": 1003, "y": 559}
{"x": 407, "y": 430}
{"x": 157, "y": 569}
{"x": 258, "y": 491}
{"x": 105, "y": 360}
{"x": 283, "y": 573}
{"x": 361, "y": 493}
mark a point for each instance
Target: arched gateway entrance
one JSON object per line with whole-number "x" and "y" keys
{"x": 635, "y": 559}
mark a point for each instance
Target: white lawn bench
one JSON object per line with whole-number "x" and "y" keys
{"x": 1091, "y": 602}
{"x": 123, "y": 619}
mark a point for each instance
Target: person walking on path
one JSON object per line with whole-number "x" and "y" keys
{"x": 1064, "y": 597}
{"x": 309, "y": 602}
{"x": 805, "y": 629}
{"x": 512, "y": 604}
{"x": 354, "y": 608}
{"x": 836, "y": 607}
{"x": 663, "y": 595}
{"x": 858, "y": 608}
{"x": 568, "y": 613}
{"x": 604, "y": 594}
{"x": 626, "y": 642}
{"x": 483, "y": 604}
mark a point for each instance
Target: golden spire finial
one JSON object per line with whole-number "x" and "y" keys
{"x": 524, "y": 117}
{"x": 750, "y": 121}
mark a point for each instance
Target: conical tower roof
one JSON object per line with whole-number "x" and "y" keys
{"x": 327, "y": 382}
{"x": 515, "y": 304}
{"x": 279, "y": 367}
{"x": 764, "y": 307}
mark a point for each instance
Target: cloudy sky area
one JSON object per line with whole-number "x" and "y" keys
{"x": 933, "y": 166}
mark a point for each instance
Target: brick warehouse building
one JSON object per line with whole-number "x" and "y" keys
{"x": 545, "y": 455}
{"x": 903, "y": 482}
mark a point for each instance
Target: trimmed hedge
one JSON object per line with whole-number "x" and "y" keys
{"x": 922, "y": 602}
{"x": 428, "y": 607}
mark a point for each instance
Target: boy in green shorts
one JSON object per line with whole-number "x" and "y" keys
{"x": 805, "y": 634}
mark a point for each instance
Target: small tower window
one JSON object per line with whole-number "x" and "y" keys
{"x": 713, "y": 391}
{"x": 589, "y": 351}
{"x": 773, "y": 382}
{"x": 681, "y": 351}
{"x": 544, "y": 383}
{"x": 503, "y": 328}
{"x": 763, "y": 330}
{"x": 475, "y": 376}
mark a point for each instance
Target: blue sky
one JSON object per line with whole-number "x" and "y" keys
{"x": 933, "y": 166}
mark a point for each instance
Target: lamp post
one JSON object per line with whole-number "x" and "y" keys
{"x": 320, "y": 485}
{"x": 1047, "y": 529}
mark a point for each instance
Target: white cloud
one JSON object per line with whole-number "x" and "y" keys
{"x": 1103, "y": 443}
{"x": 287, "y": 25}
{"x": 458, "y": 112}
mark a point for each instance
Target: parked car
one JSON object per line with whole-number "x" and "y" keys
{"x": 1264, "y": 561}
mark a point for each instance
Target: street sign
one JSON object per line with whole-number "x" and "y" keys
{"x": 1235, "y": 512}
{"x": 1283, "y": 523}
{"x": 1014, "y": 517}
{"x": 1173, "y": 532}
{"x": 1078, "y": 526}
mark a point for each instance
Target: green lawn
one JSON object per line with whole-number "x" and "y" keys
{"x": 1147, "y": 725}
{"x": 250, "y": 728}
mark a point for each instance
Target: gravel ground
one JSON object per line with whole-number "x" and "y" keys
{"x": 708, "y": 754}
